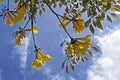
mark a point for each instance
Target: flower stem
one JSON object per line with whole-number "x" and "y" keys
{"x": 32, "y": 15}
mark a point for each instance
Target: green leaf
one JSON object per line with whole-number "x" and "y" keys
{"x": 40, "y": 12}
{"x": 104, "y": 2}
{"x": 85, "y": 58}
{"x": 66, "y": 9}
{"x": 67, "y": 68}
{"x": 91, "y": 28}
{"x": 99, "y": 25}
{"x": 63, "y": 64}
{"x": 109, "y": 19}
{"x": 72, "y": 66}
{"x": 90, "y": 53}
{"x": 94, "y": 23}
{"x": 100, "y": 17}
{"x": 87, "y": 23}
{"x": 94, "y": 48}
{"x": 114, "y": 15}
{"x": 115, "y": 8}
{"x": 73, "y": 61}
{"x": 108, "y": 6}
{"x": 89, "y": 12}
{"x": 82, "y": 59}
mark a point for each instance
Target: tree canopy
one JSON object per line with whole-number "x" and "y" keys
{"x": 78, "y": 49}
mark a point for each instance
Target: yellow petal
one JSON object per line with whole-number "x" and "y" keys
{"x": 22, "y": 35}
{"x": 78, "y": 14}
{"x": 65, "y": 17}
{"x": 1, "y": 0}
{"x": 19, "y": 15}
{"x": 48, "y": 57}
{"x": 35, "y": 29}
{"x": 45, "y": 58}
{"x": 10, "y": 19}
{"x": 18, "y": 41}
{"x": 36, "y": 64}
{"x": 69, "y": 49}
{"x": 78, "y": 26}
{"x": 38, "y": 55}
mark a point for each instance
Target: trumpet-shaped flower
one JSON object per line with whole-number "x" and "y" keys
{"x": 19, "y": 38}
{"x": 79, "y": 46}
{"x": 15, "y": 17}
{"x": 40, "y": 59}
{"x": 20, "y": 34}
{"x": 10, "y": 19}
{"x": 75, "y": 19}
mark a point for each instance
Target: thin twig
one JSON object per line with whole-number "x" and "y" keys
{"x": 32, "y": 14}
{"x": 57, "y": 15}
{"x": 21, "y": 6}
{"x": 8, "y": 5}
{"x": 27, "y": 23}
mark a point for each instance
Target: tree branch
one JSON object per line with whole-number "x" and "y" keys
{"x": 57, "y": 15}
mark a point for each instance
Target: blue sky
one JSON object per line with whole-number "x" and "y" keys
{"x": 15, "y": 62}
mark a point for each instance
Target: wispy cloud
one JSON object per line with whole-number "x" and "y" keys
{"x": 61, "y": 76}
{"x": 1, "y": 75}
{"x": 58, "y": 76}
{"x": 51, "y": 75}
{"x": 22, "y": 51}
{"x": 46, "y": 69}
{"x": 107, "y": 67}
{"x": 72, "y": 78}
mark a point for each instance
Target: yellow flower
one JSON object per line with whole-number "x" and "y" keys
{"x": 35, "y": 29}
{"x": 13, "y": 18}
{"x": 19, "y": 15}
{"x": 36, "y": 64}
{"x": 78, "y": 26}
{"x": 76, "y": 20}
{"x": 1, "y": 0}
{"x": 18, "y": 39}
{"x": 10, "y": 19}
{"x": 40, "y": 59}
{"x": 79, "y": 47}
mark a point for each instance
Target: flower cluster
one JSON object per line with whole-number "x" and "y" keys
{"x": 21, "y": 33}
{"x": 78, "y": 22}
{"x": 40, "y": 59}
{"x": 78, "y": 47}
{"x": 15, "y": 17}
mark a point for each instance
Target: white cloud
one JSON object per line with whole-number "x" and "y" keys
{"x": 23, "y": 51}
{"x": 58, "y": 76}
{"x": 46, "y": 70}
{"x": 1, "y": 75}
{"x": 72, "y": 78}
{"x": 107, "y": 66}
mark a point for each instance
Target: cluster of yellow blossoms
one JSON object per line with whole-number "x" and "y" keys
{"x": 15, "y": 17}
{"x": 1, "y": 0}
{"x": 40, "y": 59}
{"x": 78, "y": 47}
{"x": 78, "y": 22}
{"x": 20, "y": 34}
